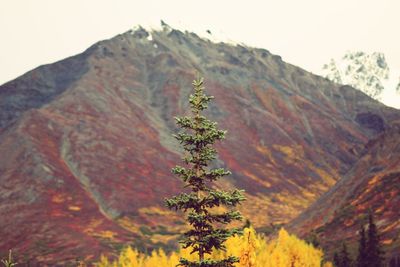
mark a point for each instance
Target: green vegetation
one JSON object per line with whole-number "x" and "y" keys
{"x": 345, "y": 260}
{"x": 370, "y": 253}
{"x": 9, "y": 262}
{"x": 373, "y": 251}
{"x": 362, "y": 248}
{"x": 197, "y": 138}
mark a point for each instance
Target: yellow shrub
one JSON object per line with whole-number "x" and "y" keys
{"x": 253, "y": 251}
{"x": 328, "y": 264}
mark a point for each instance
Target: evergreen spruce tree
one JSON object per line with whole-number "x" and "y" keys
{"x": 362, "y": 249}
{"x": 345, "y": 260}
{"x": 336, "y": 259}
{"x": 373, "y": 248}
{"x": 313, "y": 239}
{"x": 394, "y": 262}
{"x": 197, "y": 138}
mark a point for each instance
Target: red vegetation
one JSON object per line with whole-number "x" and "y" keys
{"x": 86, "y": 156}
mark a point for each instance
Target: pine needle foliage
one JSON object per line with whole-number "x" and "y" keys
{"x": 374, "y": 252}
{"x": 345, "y": 260}
{"x": 197, "y": 137}
{"x": 362, "y": 249}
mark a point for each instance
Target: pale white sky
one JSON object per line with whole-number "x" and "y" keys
{"x": 306, "y": 33}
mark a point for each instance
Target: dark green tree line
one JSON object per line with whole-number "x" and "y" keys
{"x": 370, "y": 253}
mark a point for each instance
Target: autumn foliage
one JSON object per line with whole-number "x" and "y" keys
{"x": 252, "y": 250}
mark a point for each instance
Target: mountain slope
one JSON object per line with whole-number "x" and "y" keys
{"x": 86, "y": 146}
{"x": 372, "y": 185}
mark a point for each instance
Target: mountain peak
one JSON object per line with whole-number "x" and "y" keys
{"x": 87, "y": 149}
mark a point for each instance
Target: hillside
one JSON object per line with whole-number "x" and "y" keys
{"x": 86, "y": 146}
{"x": 372, "y": 185}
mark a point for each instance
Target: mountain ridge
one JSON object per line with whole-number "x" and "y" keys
{"x": 107, "y": 136}
{"x": 371, "y": 186}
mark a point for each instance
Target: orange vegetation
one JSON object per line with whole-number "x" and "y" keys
{"x": 253, "y": 251}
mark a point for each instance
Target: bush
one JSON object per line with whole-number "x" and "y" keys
{"x": 252, "y": 250}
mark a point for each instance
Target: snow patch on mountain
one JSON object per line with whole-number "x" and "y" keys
{"x": 366, "y": 72}
{"x": 369, "y": 73}
{"x": 204, "y": 33}
{"x": 390, "y": 95}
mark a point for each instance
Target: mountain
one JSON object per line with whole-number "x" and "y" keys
{"x": 366, "y": 72}
{"x": 86, "y": 143}
{"x": 372, "y": 185}
{"x": 398, "y": 87}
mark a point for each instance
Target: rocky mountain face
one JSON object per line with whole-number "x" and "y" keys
{"x": 86, "y": 146}
{"x": 372, "y": 185}
{"x": 366, "y": 72}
